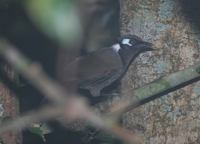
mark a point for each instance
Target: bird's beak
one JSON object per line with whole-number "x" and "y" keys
{"x": 147, "y": 46}
{"x": 152, "y": 46}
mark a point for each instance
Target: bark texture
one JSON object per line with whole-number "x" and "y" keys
{"x": 9, "y": 108}
{"x": 174, "y": 118}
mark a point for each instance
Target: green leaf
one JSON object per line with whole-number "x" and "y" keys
{"x": 40, "y": 130}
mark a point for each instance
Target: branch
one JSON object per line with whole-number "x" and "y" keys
{"x": 155, "y": 89}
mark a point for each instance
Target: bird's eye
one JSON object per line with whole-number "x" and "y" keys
{"x": 132, "y": 42}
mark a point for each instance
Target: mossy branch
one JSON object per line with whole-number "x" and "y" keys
{"x": 157, "y": 88}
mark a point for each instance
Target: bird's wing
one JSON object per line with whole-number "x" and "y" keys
{"x": 105, "y": 68}
{"x": 95, "y": 71}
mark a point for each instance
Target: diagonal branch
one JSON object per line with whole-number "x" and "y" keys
{"x": 155, "y": 89}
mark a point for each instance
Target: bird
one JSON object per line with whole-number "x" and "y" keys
{"x": 101, "y": 68}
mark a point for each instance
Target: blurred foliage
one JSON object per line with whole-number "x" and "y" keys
{"x": 41, "y": 130}
{"x": 37, "y": 131}
{"x": 57, "y": 18}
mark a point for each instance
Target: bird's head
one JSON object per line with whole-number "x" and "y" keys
{"x": 134, "y": 42}
{"x": 130, "y": 46}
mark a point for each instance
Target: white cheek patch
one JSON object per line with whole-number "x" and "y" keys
{"x": 126, "y": 42}
{"x": 116, "y": 47}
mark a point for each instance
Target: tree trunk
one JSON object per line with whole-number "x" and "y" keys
{"x": 174, "y": 118}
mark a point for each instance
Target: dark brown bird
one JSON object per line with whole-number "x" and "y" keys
{"x": 105, "y": 66}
